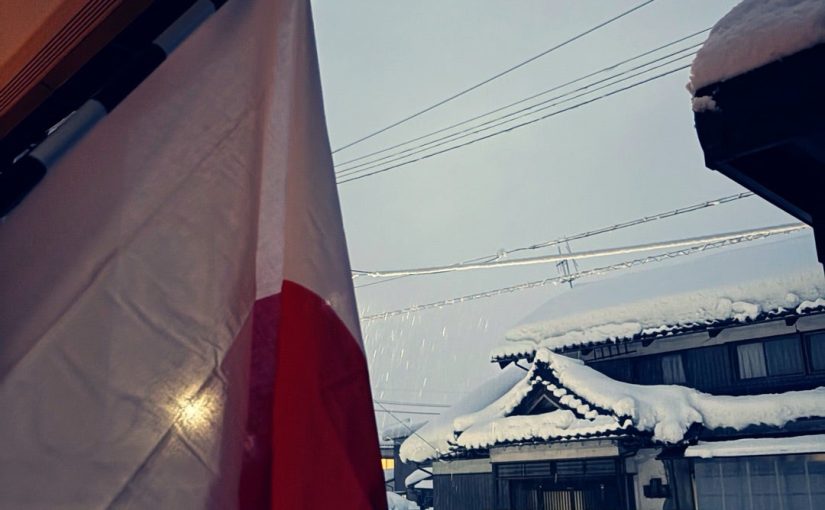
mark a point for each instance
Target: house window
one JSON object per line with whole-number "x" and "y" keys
{"x": 750, "y": 483}
{"x": 673, "y": 372}
{"x": 751, "y": 361}
{"x": 816, "y": 344}
{"x": 782, "y": 356}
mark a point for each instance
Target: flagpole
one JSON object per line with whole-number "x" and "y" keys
{"x": 17, "y": 180}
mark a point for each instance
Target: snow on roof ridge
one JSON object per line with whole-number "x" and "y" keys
{"x": 669, "y": 411}
{"x": 659, "y": 308}
{"x": 755, "y": 33}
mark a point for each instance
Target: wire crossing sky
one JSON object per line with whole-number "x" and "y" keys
{"x": 718, "y": 241}
{"x": 514, "y": 127}
{"x": 341, "y": 166}
{"x": 496, "y": 76}
{"x": 487, "y": 260}
{"x": 522, "y": 113}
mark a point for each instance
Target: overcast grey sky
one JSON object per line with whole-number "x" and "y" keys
{"x": 627, "y": 156}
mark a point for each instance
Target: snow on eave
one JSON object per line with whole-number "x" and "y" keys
{"x": 495, "y": 424}
{"x": 555, "y": 425}
{"x": 755, "y": 33}
{"x": 734, "y": 287}
{"x": 758, "y": 446}
{"x": 494, "y": 398}
{"x": 417, "y": 476}
{"x": 667, "y": 412}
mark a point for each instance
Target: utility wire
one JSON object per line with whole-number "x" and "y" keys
{"x": 534, "y": 96}
{"x": 407, "y": 426}
{"x": 411, "y": 404}
{"x": 547, "y": 259}
{"x": 496, "y": 76}
{"x": 401, "y": 411}
{"x": 590, "y": 233}
{"x": 560, "y": 99}
{"x": 749, "y": 236}
{"x": 516, "y": 126}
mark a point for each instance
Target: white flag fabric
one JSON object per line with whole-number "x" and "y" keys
{"x": 177, "y": 322}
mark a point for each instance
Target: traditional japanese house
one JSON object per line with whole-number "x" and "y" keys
{"x": 699, "y": 385}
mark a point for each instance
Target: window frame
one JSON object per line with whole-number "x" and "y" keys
{"x": 808, "y": 351}
{"x": 804, "y": 355}
{"x": 681, "y": 357}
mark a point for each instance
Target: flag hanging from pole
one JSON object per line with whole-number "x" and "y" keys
{"x": 178, "y": 326}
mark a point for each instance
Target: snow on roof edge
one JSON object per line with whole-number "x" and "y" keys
{"x": 755, "y": 33}
{"x": 814, "y": 443}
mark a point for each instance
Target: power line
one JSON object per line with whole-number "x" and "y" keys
{"x": 410, "y": 404}
{"x": 534, "y": 96}
{"x": 547, "y": 259}
{"x": 560, "y": 99}
{"x": 517, "y": 126}
{"x": 495, "y": 77}
{"x": 539, "y": 94}
{"x": 590, "y": 233}
{"x": 401, "y": 411}
{"x": 407, "y": 426}
{"x": 749, "y": 236}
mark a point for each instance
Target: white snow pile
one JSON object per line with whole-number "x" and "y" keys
{"x": 668, "y": 411}
{"x": 416, "y": 477}
{"x": 737, "y": 284}
{"x": 495, "y": 398}
{"x": 755, "y": 33}
{"x": 518, "y": 349}
{"x": 758, "y": 446}
{"x": 558, "y": 424}
{"x": 398, "y": 502}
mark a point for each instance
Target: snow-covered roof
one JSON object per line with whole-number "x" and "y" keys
{"x": 755, "y": 33}
{"x": 479, "y": 426}
{"x": 758, "y": 446}
{"x": 587, "y": 403}
{"x": 496, "y": 397}
{"x": 667, "y": 412}
{"x": 732, "y": 286}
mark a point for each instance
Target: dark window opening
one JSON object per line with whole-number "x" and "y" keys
{"x": 816, "y": 346}
{"x": 782, "y": 356}
{"x": 673, "y": 370}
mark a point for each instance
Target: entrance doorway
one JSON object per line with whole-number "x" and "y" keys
{"x": 580, "y": 495}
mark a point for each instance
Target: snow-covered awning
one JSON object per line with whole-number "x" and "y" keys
{"x": 584, "y": 403}
{"x": 737, "y": 286}
{"x": 755, "y": 33}
{"x": 419, "y": 479}
{"x": 758, "y": 446}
